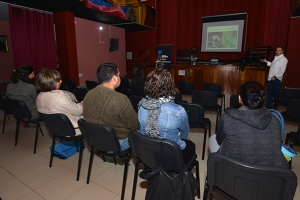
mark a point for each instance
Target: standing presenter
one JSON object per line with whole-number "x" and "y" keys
{"x": 277, "y": 69}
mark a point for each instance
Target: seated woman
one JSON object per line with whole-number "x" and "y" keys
{"x": 160, "y": 117}
{"x": 52, "y": 100}
{"x": 138, "y": 77}
{"x": 22, "y": 88}
{"x": 251, "y": 133}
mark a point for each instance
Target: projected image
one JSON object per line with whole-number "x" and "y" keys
{"x": 222, "y": 37}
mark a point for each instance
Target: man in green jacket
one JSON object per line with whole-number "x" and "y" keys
{"x": 104, "y": 105}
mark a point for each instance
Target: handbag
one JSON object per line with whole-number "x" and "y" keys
{"x": 169, "y": 185}
{"x": 65, "y": 149}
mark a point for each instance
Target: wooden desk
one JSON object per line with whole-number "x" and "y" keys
{"x": 229, "y": 76}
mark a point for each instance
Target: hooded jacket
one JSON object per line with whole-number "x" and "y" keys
{"x": 251, "y": 136}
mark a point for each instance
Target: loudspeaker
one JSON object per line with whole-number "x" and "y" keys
{"x": 114, "y": 44}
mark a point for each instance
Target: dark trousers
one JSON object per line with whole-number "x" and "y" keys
{"x": 272, "y": 86}
{"x": 188, "y": 151}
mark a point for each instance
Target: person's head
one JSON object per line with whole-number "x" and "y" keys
{"x": 47, "y": 80}
{"x": 24, "y": 73}
{"x": 159, "y": 83}
{"x": 139, "y": 72}
{"x": 279, "y": 50}
{"x": 252, "y": 94}
{"x": 108, "y": 74}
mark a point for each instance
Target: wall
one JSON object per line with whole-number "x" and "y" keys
{"x": 6, "y": 58}
{"x": 293, "y": 69}
{"x": 93, "y": 48}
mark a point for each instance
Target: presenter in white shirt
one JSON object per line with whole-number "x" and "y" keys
{"x": 277, "y": 69}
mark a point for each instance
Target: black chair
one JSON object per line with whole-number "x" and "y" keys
{"x": 80, "y": 93}
{"x": 292, "y": 112}
{"x": 283, "y": 96}
{"x": 148, "y": 151}
{"x": 134, "y": 101}
{"x": 208, "y": 100}
{"x": 293, "y": 138}
{"x": 185, "y": 88}
{"x": 234, "y": 101}
{"x": 138, "y": 91}
{"x": 234, "y": 179}
{"x": 70, "y": 84}
{"x": 104, "y": 139}
{"x": 64, "y": 87}
{"x": 196, "y": 117}
{"x": 91, "y": 84}
{"x": 5, "y": 107}
{"x": 22, "y": 114}
{"x": 216, "y": 88}
{"x": 61, "y": 127}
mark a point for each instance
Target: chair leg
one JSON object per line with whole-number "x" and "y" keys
{"x": 4, "y": 120}
{"x": 17, "y": 132}
{"x": 52, "y": 151}
{"x": 135, "y": 179}
{"x": 209, "y": 129}
{"x": 36, "y": 137}
{"x": 80, "y": 160}
{"x": 103, "y": 157}
{"x": 205, "y": 190}
{"x": 40, "y": 128}
{"x": 198, "y": 178}
{"x": 115, "y": 161}
{"x": 90, "y": 165}
{"x": 204, "y": 143}
{"x": 224, "y": 103}
{"x": 217, "y": 119}
{"x": 125, "y": 177}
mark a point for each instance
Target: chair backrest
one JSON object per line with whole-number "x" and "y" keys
{"x": 125, "y": 82}
{"x": 185, "y": 88}
{"x": 213, "y": 87}
{"x": 204, "y": 98}
{"x": 234, "y": 101}
{"x": 19, "y": 109}
{"x": 280, "y": 118}
{"x": 70, "y": 84}
{"x": 155, "y": 153}
{"x": 64, "y": 87}
{"x": 80, "y": 93}
{"x": 91, "y": 84}
{"x": 4, "y": 104}
{"x": 101, "y": 136}
{"x": 293, "y": 110}
{"x": 284, "y": 95}
{"x": 138, "y": 91}
{"x": 58, "y": 124}
{"x": 250, "y": 181}
{"x": 134, "y": 101}
{"x": 195, "y": 113}
{"x": 178, "y": 97}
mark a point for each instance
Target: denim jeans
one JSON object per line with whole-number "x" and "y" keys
{"x": 272, "y": 86}
{"x": 124, "y": 144}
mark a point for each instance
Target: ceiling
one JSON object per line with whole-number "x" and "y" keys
{"x": 74, "y": 6}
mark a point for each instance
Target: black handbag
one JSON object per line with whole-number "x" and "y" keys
{"x": 169, "y": 185}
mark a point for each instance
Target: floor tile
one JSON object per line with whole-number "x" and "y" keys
{"x": 13, "y": 189}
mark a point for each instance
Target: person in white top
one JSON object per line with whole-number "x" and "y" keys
{"x": 277, "y": 69}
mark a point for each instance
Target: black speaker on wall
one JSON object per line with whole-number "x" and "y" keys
{"x": 114, "y": 44}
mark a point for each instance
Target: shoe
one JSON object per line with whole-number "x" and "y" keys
{"x": 24, "y": 125}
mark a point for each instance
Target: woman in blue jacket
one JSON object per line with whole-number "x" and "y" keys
{"x": 160, "y": 117}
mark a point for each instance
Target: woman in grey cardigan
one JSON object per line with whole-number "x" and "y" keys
{"x": 251, "y": 133}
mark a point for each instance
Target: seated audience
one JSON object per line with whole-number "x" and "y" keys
{"x": 160, "y": 117}
{"x": 52, "y": 100}
{"x": 22, "y": 88}
{"x": 103, "y": 105}
{"x": 138, "y": 77}
{"x": 251, "y": 133}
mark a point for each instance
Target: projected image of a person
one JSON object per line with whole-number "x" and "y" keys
{"x": 277, "y": 69}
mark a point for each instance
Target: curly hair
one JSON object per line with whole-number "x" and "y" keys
{"x": 22, "y": 73}
{"x": 253, "y": 95}
{"x": 159, "y": 83}
{"x": 46, "y": 80}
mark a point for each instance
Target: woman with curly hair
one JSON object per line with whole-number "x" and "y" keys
{"x": 160, "y": 117}
{"x": 22, "y": 88}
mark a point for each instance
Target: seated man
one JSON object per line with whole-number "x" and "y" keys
{"x": 103, "y": 105}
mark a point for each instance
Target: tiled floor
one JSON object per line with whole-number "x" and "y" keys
{"x": 27, "y": 176}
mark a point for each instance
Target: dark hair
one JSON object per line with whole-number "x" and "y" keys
{"x": 106, "y": 71}
{"x": 46, "y": 80}
{"x": 159, "y": 83}
{"x": 253, "y": 95}
{"x": 22, "y": 73}
{"x": 139, "y": 72}
{"x": 280, "y": 47}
